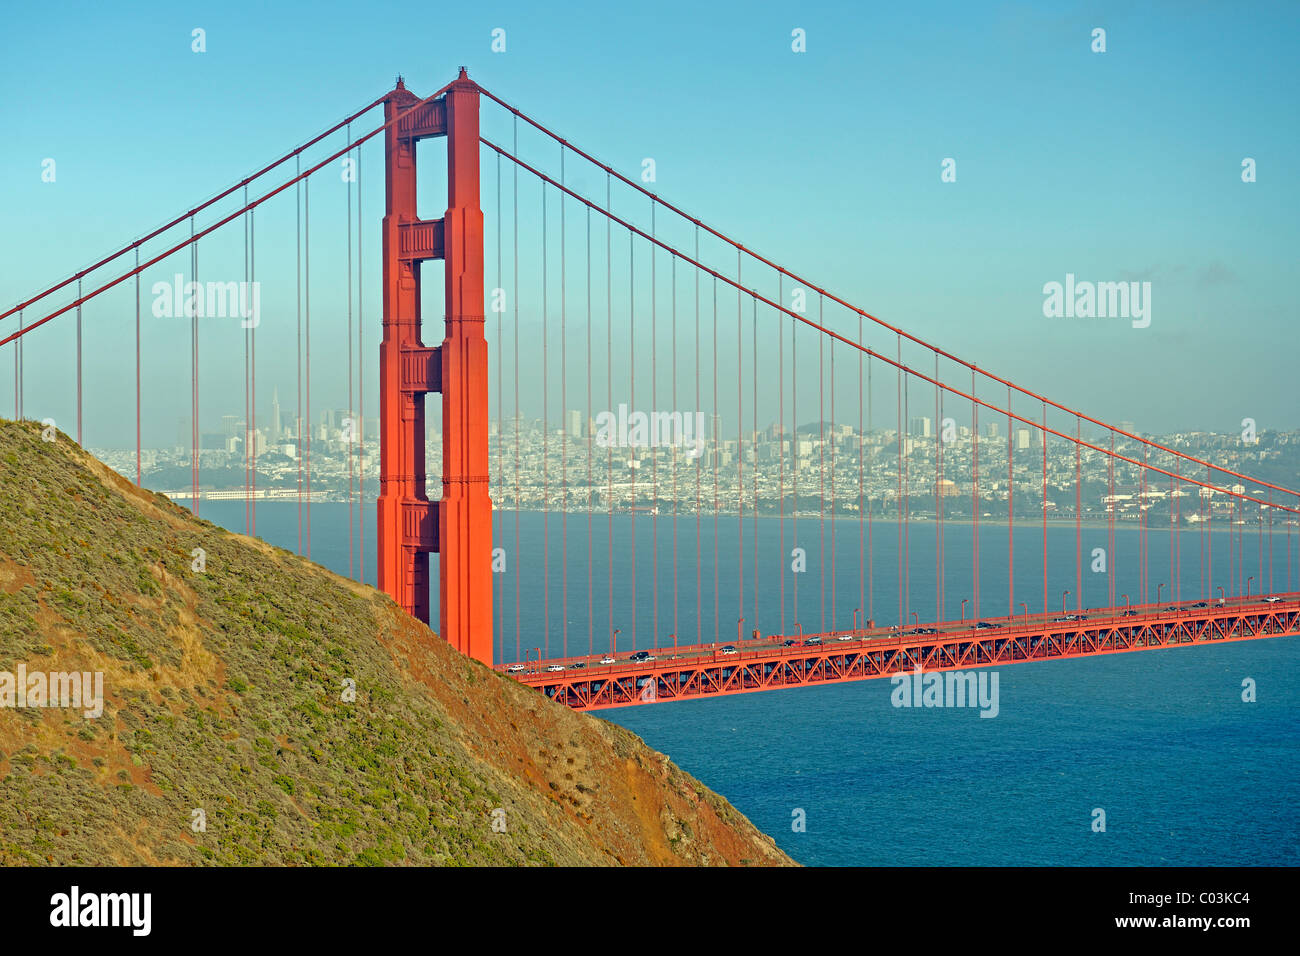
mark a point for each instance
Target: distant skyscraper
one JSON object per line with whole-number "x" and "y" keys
{"x": 992, "y": 431}
{"x": 573, "y": 423}
{"x": 275, "y": 415}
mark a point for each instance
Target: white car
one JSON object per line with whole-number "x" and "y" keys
{"x": 607, "y": 659}
{"x": 555, "y": 667}
{"x": 846, "y": 637}
{"x": 729, "y": 650}
{"x": 1272, "y": 600}
{"x": 516, "y": 669}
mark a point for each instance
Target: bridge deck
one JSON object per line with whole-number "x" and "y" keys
{"x": 767, "y": 663}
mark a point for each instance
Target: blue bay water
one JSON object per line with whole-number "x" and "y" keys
{"x": 1161, "y": 741}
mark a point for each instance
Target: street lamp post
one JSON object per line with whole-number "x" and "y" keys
{"x": 964, "y": 602}
{"x": 856, "y": 612}
{"x": 1026, "y": 607}
{"x": 1063, "y": 597}
{"x": 1221, "y": 597}
{"x": 917, "y": 618}
{"x": 738, "y": 627}
{"x": 1249, "y": 581}
{"x": 613, "y": 638}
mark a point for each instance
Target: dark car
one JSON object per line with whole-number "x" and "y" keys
{"x": 578, "y": 666}
{"x": 812, "y": 641}
{"x": 791, "y": 642}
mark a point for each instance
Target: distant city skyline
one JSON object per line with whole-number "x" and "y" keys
{"x": 1066, "y": 164}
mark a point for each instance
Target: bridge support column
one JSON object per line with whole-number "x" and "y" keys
{"x": 459, "y": 527}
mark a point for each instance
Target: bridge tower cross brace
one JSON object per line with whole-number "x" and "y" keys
{"x": 459, "y": 526}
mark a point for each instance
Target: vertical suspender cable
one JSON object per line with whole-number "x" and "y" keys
{"x": 795, "y": 468}
{"x": 871, "y": 544}
{"x": 1110, "y": 546}
{"x": 252, "y": 359}
{"x": 298, "y": 447}
{"x": 79, "y": 442}
{"x": 1174, "y": 533}
{"x": 781, "y": 438}
{"x": 821, "y": 466}
{"x": 17, "y": 384}
{"x": 1078, "y": 513}
{"x": 975, "y": 498}
{"x": 567, "y": 437}
{"x": 609, "y": 400}
{"x": 631, "y": 378}
{"x": 654, "y": 449}
{"x": 498, "y": 583}
{"x": 138, "y": 464}
{"x": 351, "y": 407}
{"x": 586, "y": 430}
{"x": 699, "y": 501}
{"x": 715, "y": 460}
{"x": 306, "y": 281}
{"x": 753, "y": 538}
{"x": 1044, "y": 507}
{"x": 898, "y": 498}
{"x": 248, "y": 416}
{"x": 546, "y": 428}
{"x": 194, "y": 370}
{"x": 740, "y": 450}
{"x": 834, "y": 561}
{"x": 514, "y": 297}
{"x": 361, "y": 386}
{"x": 675, "y": 464}
{"x": 939, "y": 501}
{"x": 907, "y": 508}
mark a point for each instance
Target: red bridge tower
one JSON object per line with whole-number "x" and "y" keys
{"x": 459, "y": 527}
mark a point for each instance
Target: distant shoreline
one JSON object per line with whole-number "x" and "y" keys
{"x": 999, "y": 523}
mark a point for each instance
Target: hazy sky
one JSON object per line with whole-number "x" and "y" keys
{"x": 1114, "y": 166}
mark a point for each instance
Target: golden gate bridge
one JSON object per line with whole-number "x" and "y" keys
{"x": 676, "y": 279}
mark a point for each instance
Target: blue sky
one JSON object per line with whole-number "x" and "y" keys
{"x": 1111, "y": 166}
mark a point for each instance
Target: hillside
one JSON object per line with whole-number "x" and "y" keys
{"x": 224, "y": 691}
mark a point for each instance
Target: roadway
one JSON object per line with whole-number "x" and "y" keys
{"x": 771, "y": 661}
